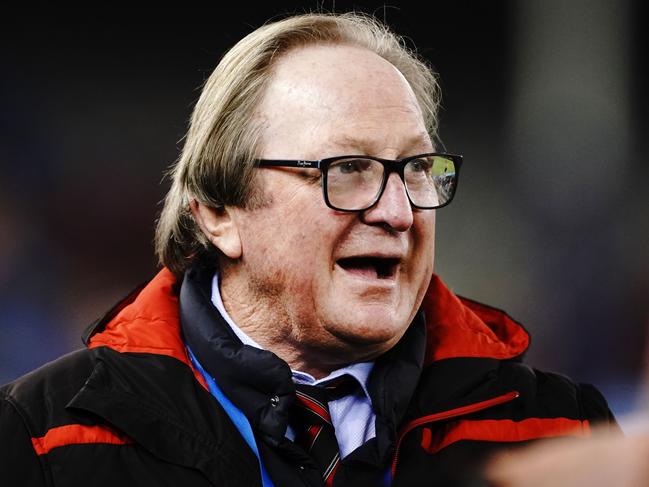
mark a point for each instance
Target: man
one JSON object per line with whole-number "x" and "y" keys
{"x": 296, "y": 334}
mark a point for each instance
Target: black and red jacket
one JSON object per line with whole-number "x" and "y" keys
{"x": 131, "y": 410}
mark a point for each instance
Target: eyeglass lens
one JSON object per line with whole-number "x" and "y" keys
{"x": 355, "y": 183}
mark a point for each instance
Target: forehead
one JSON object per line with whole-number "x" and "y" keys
{"x": 326, "y": 99}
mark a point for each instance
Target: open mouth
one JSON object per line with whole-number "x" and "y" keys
{"x": 372, "y": 267}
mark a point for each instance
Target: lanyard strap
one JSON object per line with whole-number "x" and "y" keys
{"x": 236, "y": 415}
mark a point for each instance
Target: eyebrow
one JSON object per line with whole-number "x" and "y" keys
{"x": 369, "y": 145}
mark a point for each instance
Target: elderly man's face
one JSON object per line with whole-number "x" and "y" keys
{"x": 347, "y": 284}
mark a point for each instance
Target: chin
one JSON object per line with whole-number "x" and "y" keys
{"x": 371, "y": 330}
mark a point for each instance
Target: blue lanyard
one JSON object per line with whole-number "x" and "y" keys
{"x": 236, "y": 415}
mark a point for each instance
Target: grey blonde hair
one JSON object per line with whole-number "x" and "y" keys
{"x": 216, "y": 165}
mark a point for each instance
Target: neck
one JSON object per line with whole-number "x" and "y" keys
{"x": 263, "y": 317}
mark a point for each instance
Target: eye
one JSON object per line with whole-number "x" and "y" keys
{"x": 420, "y": 165}
{"x": 350, "y": 166}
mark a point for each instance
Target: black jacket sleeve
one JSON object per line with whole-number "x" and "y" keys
{"x": 19, "y": 464}
{"x": 595, "y": 408}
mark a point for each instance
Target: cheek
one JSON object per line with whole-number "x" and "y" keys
{"x": 284, "y": 245}
{"x": 424, "y": 232}
{"x": 424, "y": 244}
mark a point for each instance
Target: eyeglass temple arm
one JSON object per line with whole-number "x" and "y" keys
{"x": 287, "y": 163}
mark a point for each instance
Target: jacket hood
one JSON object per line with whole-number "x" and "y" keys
{"x": 148, "y": 321}
{"x": 460, "y": 327}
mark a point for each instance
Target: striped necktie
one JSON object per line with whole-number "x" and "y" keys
{"x": 312, "y": 423}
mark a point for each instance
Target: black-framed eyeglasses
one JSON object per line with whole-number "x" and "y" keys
{"x": 356, "y": 183}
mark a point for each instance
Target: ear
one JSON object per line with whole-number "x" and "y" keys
{"x": 219, "y": 227}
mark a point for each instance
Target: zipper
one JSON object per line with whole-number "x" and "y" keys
{"x": 451, "y": 413}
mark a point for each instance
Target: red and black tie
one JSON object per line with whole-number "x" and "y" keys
{"x": 311, "y": 420}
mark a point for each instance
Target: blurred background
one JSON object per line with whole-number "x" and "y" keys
{"x": 545, "y": 99}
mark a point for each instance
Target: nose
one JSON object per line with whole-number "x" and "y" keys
{"x": 393, "y": 208}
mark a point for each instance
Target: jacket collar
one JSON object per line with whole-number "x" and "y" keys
{"x": 255, "y": 380}
{"x": 459, "y": 327}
